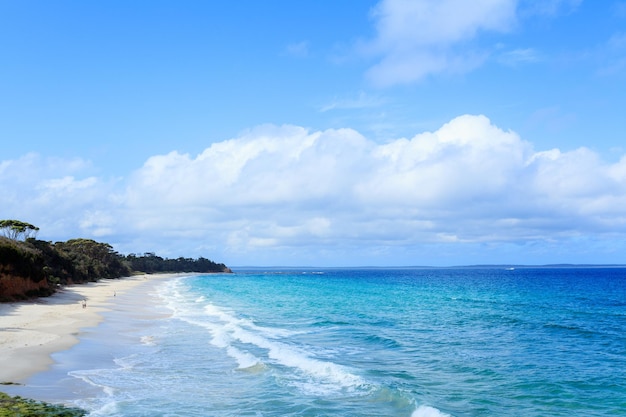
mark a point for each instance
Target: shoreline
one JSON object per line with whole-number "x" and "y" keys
{"x": 31, "y": 331}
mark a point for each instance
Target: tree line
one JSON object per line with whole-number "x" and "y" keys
{"x": 151, "y": 263}
{"x": 32, "y": 268}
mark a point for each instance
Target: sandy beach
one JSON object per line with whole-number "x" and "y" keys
{"x": 31, "y": 331}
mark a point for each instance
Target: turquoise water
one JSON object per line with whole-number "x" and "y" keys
{"x": 384, "y": 342}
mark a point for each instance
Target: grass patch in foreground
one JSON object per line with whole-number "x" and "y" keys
{"x": 22, "y": 407}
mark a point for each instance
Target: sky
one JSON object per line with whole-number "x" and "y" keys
{"x": 319, "y": 133}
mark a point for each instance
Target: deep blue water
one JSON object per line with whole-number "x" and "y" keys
{"x": 349, "y": 342}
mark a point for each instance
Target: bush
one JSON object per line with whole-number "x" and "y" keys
{"x": 21, "y": 407}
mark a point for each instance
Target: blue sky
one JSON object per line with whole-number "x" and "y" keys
{"x": 317, "y": 132}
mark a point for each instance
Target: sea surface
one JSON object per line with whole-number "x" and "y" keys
{"x": 358, "y": 342}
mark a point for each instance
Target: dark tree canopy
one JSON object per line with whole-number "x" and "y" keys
{"x": 26, "y": 262}
{"x": 151, "y": 263}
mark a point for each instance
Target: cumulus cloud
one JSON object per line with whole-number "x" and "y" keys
{"x": 468, "y": 181}
{"x": 415, "y": 38}
{"x": 277, "y": 192}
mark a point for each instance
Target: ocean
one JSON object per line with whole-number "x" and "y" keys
{"x": 357, "y": 342}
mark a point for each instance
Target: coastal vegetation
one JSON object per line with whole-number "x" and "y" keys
{"x": 22, "y": 407}
{"x": 150, "y": 263}
{"x": 32, "y": 268}
{"x": 14, "y": 229}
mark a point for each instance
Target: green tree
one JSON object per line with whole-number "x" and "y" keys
{"x": 92, "y": 260}
{"x": 16, "y": 229}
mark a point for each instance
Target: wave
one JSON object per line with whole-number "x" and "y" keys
{"x": 148, "y": 340}
{"x": 427, "y": 411}
{"x": 99, "y": 405}
{"x": 257, "y": 347}
{"x": 570, "y": 328}
{"x": 382, "y": 341}
{"x": 233, "y": 330}
{"x": 88, "y": 377}
{"x": 330, "y": 323}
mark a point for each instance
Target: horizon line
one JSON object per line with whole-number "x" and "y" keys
{"x": 556, "y": 265}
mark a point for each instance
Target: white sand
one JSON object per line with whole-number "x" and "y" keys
{"x": 31, "y": 331}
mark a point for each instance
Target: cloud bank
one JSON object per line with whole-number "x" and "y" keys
{"x": 285, "y": 192}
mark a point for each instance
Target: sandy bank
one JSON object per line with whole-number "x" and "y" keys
{"x": 31, "y": 331}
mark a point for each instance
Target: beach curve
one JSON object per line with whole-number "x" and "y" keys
{"x": 31, "y": 331}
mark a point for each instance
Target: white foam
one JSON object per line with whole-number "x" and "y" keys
{"x": 126, "y": 363}
{"x": 148, "y": 340}
{"x": 244, "y": 359}
{"x": 427, "y": 411}
{"x": 286, "y": 355}
{"x": 86, "y": 376}
{"x": 107, "y": 409}
{"x": 229, "y": 331}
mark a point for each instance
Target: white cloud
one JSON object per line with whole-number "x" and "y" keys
{"x": 466, "y": 159}
{"x": 278, "y": 193}
{"x": 54, "y": 194}
{"x": 469, "y": 181}
{"x": 416, "y": 38}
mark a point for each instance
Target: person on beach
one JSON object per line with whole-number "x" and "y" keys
{"x": 84, "y": 303}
